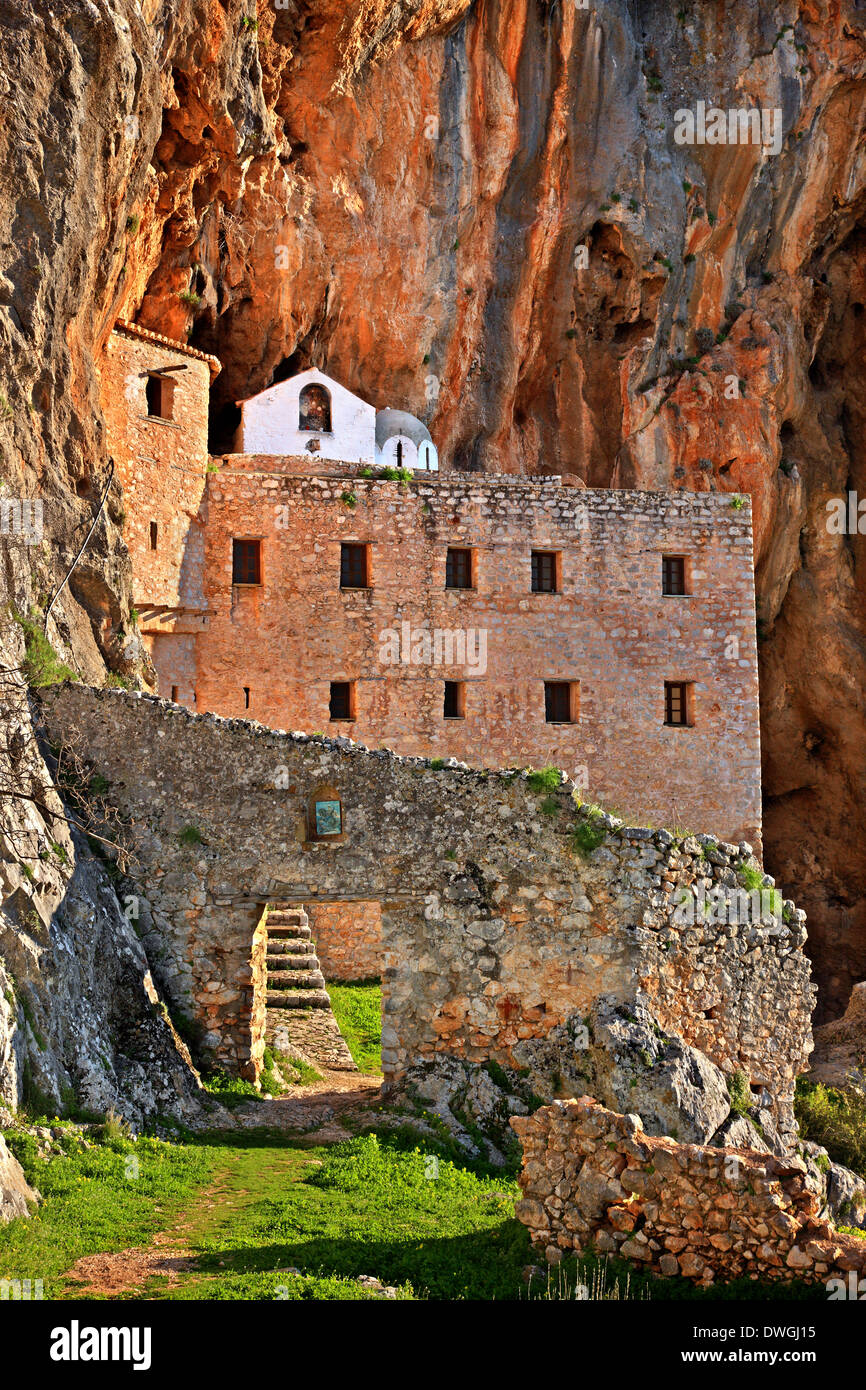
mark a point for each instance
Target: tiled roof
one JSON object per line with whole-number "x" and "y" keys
{"x": 148, "y": 336}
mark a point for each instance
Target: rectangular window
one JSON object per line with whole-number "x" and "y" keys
{"x": 544, "y": 572}
{"x": 561, "y": 702}
{"x": 154, "y": 532}
{"x": 159, "y": 391}
{"x": 455, "y": 705}
{"x": 458, "y": 569}
{"x": 246, "y": 697}
{"x": 246, "y": 562}
{"x": 678, "y": 703}
{"x": 354, "y": 569}
{"x": 673, "y": 574}
{"x": 342, "y": 704}
{"x": 174, "y": 694}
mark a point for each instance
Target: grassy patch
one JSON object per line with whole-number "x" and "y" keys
{"x": 358, "y": 1011}
{"x": 93, "y": 1201}
{"x": 230, "y": 1091}
{"x": 836, "y": 1119}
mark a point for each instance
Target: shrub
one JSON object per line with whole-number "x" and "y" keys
{"x": 834, "y": 1118}
{"x": 349, "y": 499}
{"x": 544, "y": 779}
{"x": 740, "y": 1093}
{"x": 190, "y": 835}
{"x": 589, "y": 833}
{"x": 191, "y": 298}
{"x": 41, "y": 664}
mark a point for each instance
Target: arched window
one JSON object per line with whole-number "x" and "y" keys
{"x": 427, "y": 456}
{"x": 314, "y": 409}
{"x": 399, "y": 451}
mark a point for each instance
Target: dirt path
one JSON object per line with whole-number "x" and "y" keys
{"x": 318, "y": 1107}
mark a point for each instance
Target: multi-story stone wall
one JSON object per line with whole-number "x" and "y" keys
{"x": 271, "y": 651}
{"x": 161, "y": 461}
{"x": 609, "y": 636}
{"x": 506, "y": 911}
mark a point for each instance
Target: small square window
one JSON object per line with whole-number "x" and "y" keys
{"x": 342, "y": 703}
{"x": 678, "y": 700}
{"x": 458, "y": 569}
{"x": 354, "y": 569}
{"x": 544, "y": 572}
{"x": 159, "y": 391}
{"x": 246, "y": 562}
{"x": 674, "y": 575}
{"x": 560, "y": 702}
{"x": 455, "y": 704}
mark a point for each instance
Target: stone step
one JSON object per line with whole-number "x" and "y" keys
{"x": 295, "y": 979}
{"x": 280, "y": 930}
{"x": 283, "y": 916}
{"x": 305, "y": 965}
{"x": 291, "y": 946}
{"x": 298, "y": 999}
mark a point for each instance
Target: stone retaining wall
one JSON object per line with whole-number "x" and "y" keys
{"x": 592, "y": 1179}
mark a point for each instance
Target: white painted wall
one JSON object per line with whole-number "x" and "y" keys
{"x": 269, "y": 423}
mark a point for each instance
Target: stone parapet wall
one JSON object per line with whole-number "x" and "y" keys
{"x": 593, "y": 1180}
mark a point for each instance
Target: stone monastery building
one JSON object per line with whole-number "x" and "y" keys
{"x": 500, "y": 620}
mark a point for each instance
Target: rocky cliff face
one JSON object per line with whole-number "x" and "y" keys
{"x": 395, "y": 192}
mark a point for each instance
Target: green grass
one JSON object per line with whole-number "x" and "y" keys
{"x": 93, "y": 1204}
{"x": 230, "y": 1091}
{"x": 358, "y": 1011}
{"x": 254, "y": 1204}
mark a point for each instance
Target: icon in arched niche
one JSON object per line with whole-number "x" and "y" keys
{"x": 325, "y": 815}
{"x": 314, "y": 409}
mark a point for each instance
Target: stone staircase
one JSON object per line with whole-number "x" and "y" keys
{"x": 299, "y": 1017}
{"x": 295, "y": 979}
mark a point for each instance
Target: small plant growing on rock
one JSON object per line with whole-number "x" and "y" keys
{"x": 191, "y": 298}
{"x": 544, "y": 779}
{"x": 190, "y": 835}
{"x": 739, "y": 1093}
{"x": 737, "y": 504}
{"x": 349, "y": 500}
